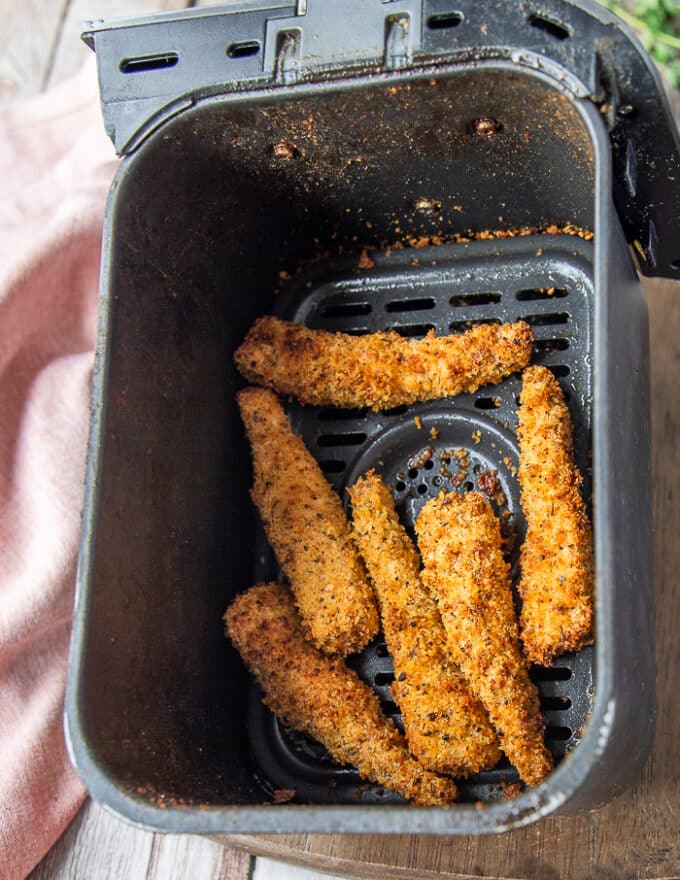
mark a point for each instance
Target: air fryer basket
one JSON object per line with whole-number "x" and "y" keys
{"x": 265, "y": 147}
{"x": 543, "y": 279}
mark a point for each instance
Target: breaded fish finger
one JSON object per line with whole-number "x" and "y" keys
{"x": 378, "y": 370}
{"x": 556, "y": 559}
{"x": 460, "y": 540}
{"x": 308, "y": 530}
{"x": 447, "y": 729}
{"x": 320, "y": 696}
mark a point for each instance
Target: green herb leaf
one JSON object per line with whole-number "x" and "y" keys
{"x": 658, "y": 25}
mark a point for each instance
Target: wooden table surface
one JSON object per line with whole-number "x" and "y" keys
{"x": 637, "y": 837}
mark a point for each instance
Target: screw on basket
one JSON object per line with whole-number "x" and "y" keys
{"x": 285, "y": 151}
{"x": 425, "y": 205}
{"x": 485, "y": 126}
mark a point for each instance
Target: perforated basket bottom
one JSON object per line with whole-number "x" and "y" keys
{"x": 547, "y": 281}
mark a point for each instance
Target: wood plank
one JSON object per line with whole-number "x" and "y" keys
{"x": 266, "y": 869}
{"x": 184, "y": 857}
{"x": 29, "y": 33}
{"x": 100, "y": 846}
{"x": 97, "y": 845}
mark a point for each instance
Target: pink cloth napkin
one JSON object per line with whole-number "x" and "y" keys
{"x": 56, "y": 165}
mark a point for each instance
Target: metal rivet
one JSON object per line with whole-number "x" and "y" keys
{"x": 485, "y": 126}
{"x": 425, "y": 205}
{"x": 286, "y": 151}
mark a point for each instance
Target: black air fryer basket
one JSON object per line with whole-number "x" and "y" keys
{"x": 265, "y": 147}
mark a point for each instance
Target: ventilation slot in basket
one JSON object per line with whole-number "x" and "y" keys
{"x": 444, "y": 21}
{"x": 413, "y": 331}
{"x": 346, "y": 310}
{"x": 147, "y": 63}
{"x": 462, "y": 326}
{"x": 332, "y": 466}
{"x": 542, "y": 293}
{"x": 474, "y": 299}
{"x": 410, "y": 305}
{"x": 547, "y": 319}
{"x": 552, "y": 673}
{"x": 246, "y": 49}
{"x": 349, "y": 439}
{"x": 550, "y": 345}
{"x": 555, "y": 29}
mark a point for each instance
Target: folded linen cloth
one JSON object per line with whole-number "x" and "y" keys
{"x": 56, "y": 166}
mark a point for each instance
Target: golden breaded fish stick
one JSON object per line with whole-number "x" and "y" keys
{"x": 308, "y": 530}
{"x": 447, "y": 729}
{"x": 379, "y": 370}
{"x": 556, "y": 559}
{"x": 460, "y": 541}
{"x": 320, "y": 696}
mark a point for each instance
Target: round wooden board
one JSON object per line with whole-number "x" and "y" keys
{"x": 637, "y": 837}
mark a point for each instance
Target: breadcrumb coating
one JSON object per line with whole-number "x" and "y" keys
{"x": 379, "y": 370}
{"x": 556, "y": 559}
{"x": 460, "y": 542}
{"x": 320, "y": 696}
{"x": 308, "y": 530}
{"x": 446, "y": 728}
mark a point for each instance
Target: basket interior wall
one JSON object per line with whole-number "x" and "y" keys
{"x": 205, "y": 218}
